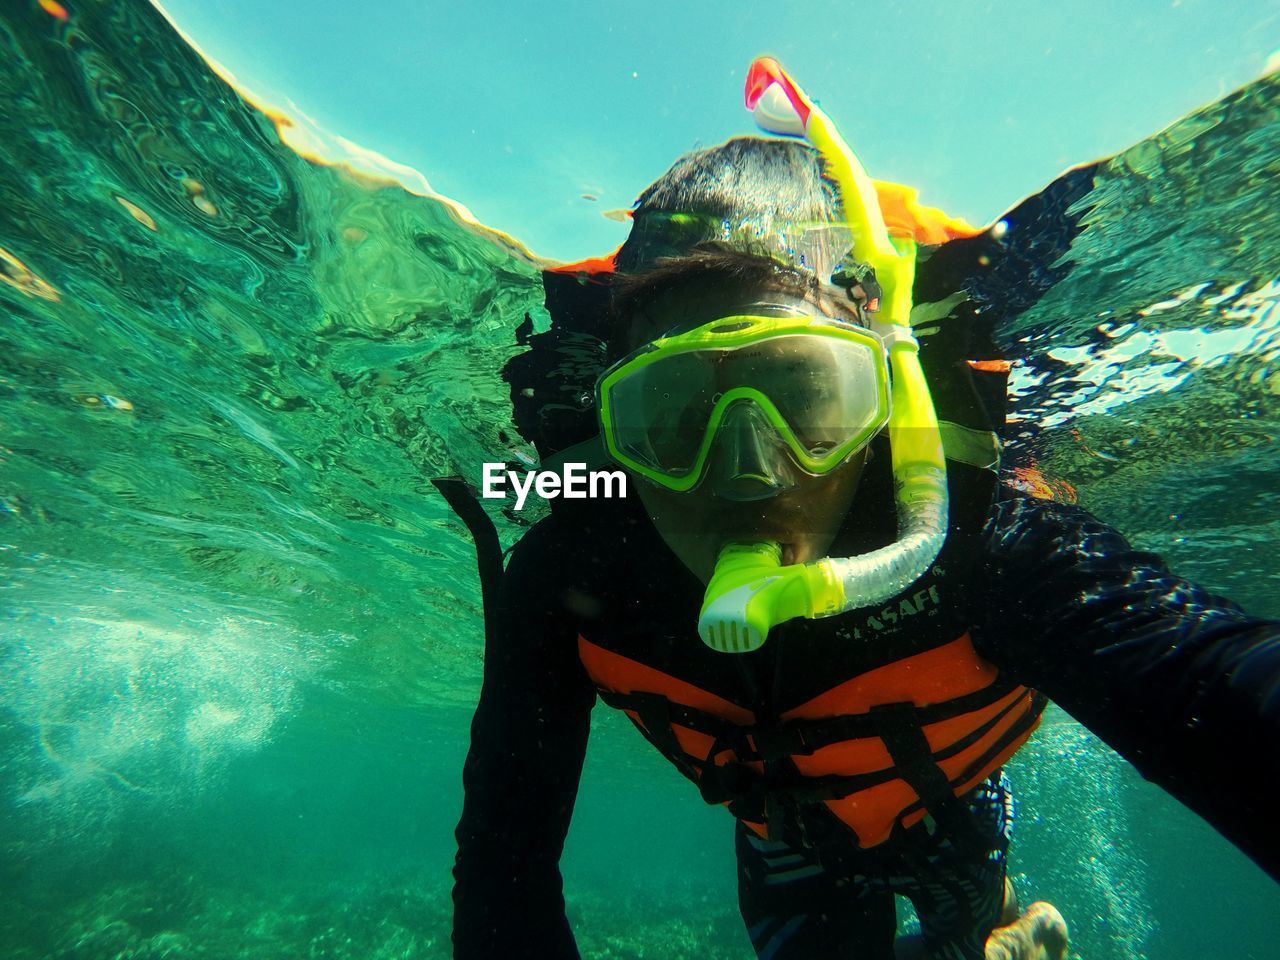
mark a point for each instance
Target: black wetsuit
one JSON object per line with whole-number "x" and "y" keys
{"x": 1180, "y": 682}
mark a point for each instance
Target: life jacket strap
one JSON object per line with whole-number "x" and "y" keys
{"x": 816, "y": 789}
{"x": 770, "y": 742}
{"x": 775, "y": 799}
{"x": 914, "y": 761}
{"x": 1024, "y": 725}
{"x": 657, "y": 708}
{"x": 657, "y": 714}
{"x": 805, "y": 737}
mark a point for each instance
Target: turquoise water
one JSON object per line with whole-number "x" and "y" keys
{"x": 242, "y": 633}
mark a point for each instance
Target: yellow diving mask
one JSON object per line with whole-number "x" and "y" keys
{"x": 773, "y": 388}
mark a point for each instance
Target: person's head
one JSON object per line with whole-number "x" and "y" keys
{"x": 745, "y": 227}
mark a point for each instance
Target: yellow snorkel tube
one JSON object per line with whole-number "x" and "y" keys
{"x": 750, "y": 591}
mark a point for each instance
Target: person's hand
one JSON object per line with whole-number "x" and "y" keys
{"x": 1039, "y": 934}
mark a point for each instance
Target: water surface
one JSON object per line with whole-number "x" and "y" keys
{"x": 242, "y": 638}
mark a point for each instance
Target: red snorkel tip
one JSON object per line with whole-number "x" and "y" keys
{"x": 766, "y": 72}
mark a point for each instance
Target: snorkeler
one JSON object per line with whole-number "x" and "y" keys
{"x": 822, "y": 607}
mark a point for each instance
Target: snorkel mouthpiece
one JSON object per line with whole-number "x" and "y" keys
{"x": 750, "y": 591}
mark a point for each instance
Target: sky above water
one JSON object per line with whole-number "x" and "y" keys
{"x": 541, "y": 117}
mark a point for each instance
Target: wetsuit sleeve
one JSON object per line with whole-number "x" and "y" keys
{"x": 528, "y": 740}
{"x": 1180, "y": 682}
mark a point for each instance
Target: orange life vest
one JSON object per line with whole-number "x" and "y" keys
{"x": 882, "y": 749}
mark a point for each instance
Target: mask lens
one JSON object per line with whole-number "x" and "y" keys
{"x": 661, "y": 412}
{"x": 826, "y": 391}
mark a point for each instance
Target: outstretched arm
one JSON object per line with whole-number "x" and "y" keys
{"x": 528, "y": 740}
{"x": 1180, "y": 682}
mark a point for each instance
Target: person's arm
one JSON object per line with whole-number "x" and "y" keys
{"x": 528, "y": 740}
{"x": 1180, "y": 682}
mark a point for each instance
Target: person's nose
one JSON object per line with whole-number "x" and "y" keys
{"x": 750, "y": 459}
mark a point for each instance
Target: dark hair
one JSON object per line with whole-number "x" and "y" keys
{"x": 706, "y": 265}
{"x": 679, "y": 220}
{"x": 747, "y": 178}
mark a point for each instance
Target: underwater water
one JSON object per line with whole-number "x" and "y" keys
{"x": 241, "y": 630}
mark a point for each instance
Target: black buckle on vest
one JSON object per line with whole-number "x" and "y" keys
{"x": 780, "y": 742}
{"x": 732, "y": 783}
